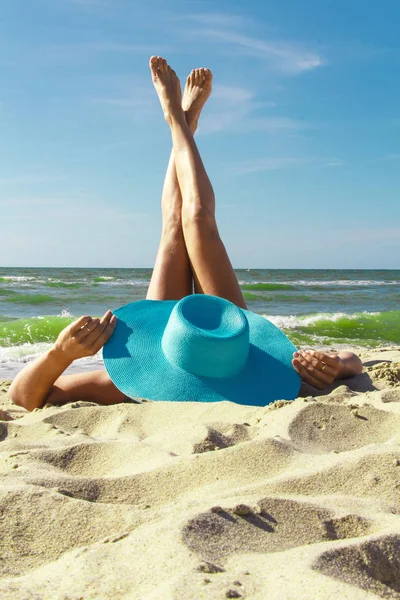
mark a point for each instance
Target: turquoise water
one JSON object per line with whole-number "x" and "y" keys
{"x": 324, "y": 308}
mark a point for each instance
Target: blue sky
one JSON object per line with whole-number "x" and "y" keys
{"x": 301, "y": 136}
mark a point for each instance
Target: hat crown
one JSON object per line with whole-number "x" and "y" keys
{"x": 207, "y": 336}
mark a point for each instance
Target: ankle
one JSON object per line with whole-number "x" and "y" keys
{"x": 175, "y": 118}
{"x": 192, "y": 120}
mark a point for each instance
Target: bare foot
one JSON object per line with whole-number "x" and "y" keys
{"x": 197, "y": 92}
{"x": 168, "y": 89}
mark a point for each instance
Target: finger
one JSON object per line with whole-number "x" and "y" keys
{"x": 76, "y": 325}
{"x": 314, "y": 372}
{"x": 328, "y": 359}
{"x": 86, "y": 330}
{"x": 97, "y": 332}
{"x": 305, "y": 375}
{"x": 105, "y": 336}
{"x": 319, "y": 364}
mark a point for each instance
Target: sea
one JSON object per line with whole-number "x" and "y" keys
{"x": 329, "y": 309}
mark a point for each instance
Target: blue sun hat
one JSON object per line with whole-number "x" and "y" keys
{"x": 202, "y": 349}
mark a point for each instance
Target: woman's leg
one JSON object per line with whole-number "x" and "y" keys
{"x": 172, "y": 274}
{"x": 211, "y": 266}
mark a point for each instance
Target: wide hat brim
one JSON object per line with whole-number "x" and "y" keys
{"x": 136, "y": 364}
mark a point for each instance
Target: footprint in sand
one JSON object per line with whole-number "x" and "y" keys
{"x": 276, "y": 524}
{"x": 320, "y": 428}
{"x": 373, "y": 565}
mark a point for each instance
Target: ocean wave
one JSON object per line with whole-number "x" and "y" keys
{"x": 345, "y": 283}
{"x": 22, "y": 353}
{"x": 297, "y": 298}
{"x": 267, "y": 286}
{"x": 102, "y": 279}
{"x": 296, "y": 321}
{"x": 365, "y": 328}
{"x": 75, "y": 283}
{"x": 32, "y": 331}
{"x": 32, "y": 299}
{"x": 62, "y": 284}
{"x": 13, "y": 359}
{"x": 124, "y": 282}
{"x": 7, "y": 278}
{"x": 318, "y": 283}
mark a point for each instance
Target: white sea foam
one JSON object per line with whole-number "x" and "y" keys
{"x": 325, "y": 283}
{"x": 14, "y": 358}
{"x": 345, "y": 283}
{"x": 17, "y": 278}
{"x": 23, "y": 353}
{"x": 295, "y": 321}
{"x": 124, "y": 282}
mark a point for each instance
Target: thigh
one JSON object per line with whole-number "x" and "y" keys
{"x": 95, "y": 386}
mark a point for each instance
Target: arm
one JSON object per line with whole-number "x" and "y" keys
{"x": 34, "y": 384}
{"x": 320, "y": 369}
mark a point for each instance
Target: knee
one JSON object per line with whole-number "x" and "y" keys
{"x": 200, "y": 219}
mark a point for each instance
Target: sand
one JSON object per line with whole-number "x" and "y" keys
{"x": 297, "y": 500}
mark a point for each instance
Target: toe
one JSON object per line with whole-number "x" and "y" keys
{"x": 153, "y": 63}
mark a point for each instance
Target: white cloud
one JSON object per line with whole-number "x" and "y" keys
{"x": 289, "y": 58}
{"x": 286, "y": 57}
{"x": 233, "y": 108}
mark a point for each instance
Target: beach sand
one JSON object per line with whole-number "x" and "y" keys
{"x": 297, "y": 500}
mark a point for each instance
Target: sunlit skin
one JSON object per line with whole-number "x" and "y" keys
{"x": 191, "y": 256}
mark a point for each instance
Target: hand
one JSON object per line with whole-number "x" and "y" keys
{"x": 85, "y": 336}
{"x": 319, "y": 369}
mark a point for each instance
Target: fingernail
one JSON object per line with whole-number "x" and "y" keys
{"x": 296, "y": 354}
{"x": 113, "y": 319}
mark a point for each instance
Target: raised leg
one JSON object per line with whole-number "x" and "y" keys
{"x": 172, "y": 276}
{"x": 212, "y": 270}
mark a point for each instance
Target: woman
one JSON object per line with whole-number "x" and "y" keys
{"x": 191, "y": 257}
